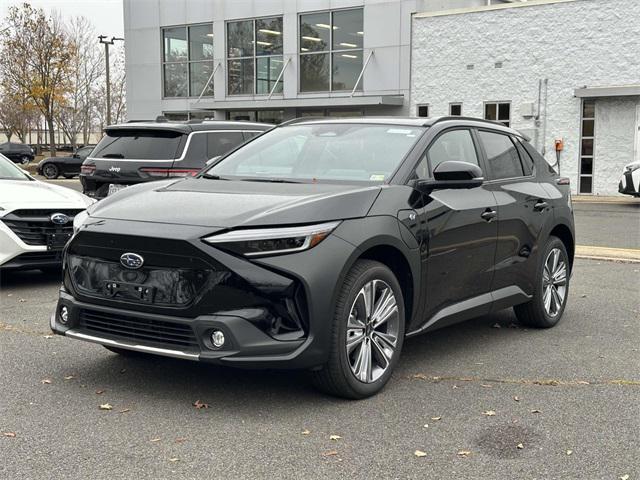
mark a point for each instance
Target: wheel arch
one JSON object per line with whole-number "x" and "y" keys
{"x": 563, "y": 232}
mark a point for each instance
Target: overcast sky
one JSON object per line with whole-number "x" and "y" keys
{"x": 106, "y": 15}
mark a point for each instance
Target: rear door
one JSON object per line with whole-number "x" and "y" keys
{"x": 461, "y": 233}
{"x": 523, "y": 209}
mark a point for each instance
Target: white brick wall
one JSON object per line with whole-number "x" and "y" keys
{"x": 572, "y": 44}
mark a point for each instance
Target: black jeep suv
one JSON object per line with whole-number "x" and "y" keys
{"x": 321, "y": 245}
{"x": 137, "y": 152}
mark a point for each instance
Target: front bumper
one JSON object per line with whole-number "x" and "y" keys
{"x": 17, "y": 255}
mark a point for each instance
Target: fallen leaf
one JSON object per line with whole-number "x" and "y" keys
{"x": 517, "y": 399}
{"x": 489, "y": 413}
{"x": 420, "y": 376}
{"x": 535, "y": 411}
{"x": 305, "y": 432}
{"x": 496, "y": 325}
{"x": 584, "y": 295}
{"x": 426, "y": 425}
{"x": 582, "y": 382}
{"x": 124, "y": 410}
{"x": 624, "y": 477}
{"x": 420, "y": 453}
{"x": 435, "y": 419}
{"x": 155, "y": 440}
{"x": 334, "y": 437}
{"x": 46, "y": 381}
{"x": 455, "y": 386}
{"x": 569, "y": 452}
{"x": 520, "y": 446}
{"x": 464, "y": 453}
{"x": 69, "y": 377}
{"x": 106, "y": 406}
{"x": 200, "y": 405}
{"x": 181, "y": 440}
{"x": 9, "y": 434}
{"x": 436, "y": 379}
{"x": 48, "y": 336}
{"x": 174, "y": 459}
{"x": 484, "y": 385}
{"x": 330, "y": 453}
{"x": 99, "y": 392}
{"x": 22, "y": 300}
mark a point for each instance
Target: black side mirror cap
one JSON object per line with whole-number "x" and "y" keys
{"x": 453, "y": 174}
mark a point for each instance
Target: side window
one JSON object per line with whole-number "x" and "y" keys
{"x": 502, "y": 155}
{"x": 250, "y": 135}
{"x": 452, "y": 145}
{"x": 219, "y": 143}
{"x": 527, "y": 161}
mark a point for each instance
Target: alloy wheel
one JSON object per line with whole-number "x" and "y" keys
{"x": 50, "y": 171}
{"x": 372, "y": 331}
{"x": 554, "y": 282}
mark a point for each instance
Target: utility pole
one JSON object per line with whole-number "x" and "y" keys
{"x": 103, "y": 39}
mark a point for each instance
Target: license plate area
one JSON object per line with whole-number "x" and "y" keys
{"x": 114, "y": 187}
{"x": 57, "y": 241}
{"x": 129, "y": 291}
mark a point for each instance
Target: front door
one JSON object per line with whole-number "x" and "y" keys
{"x": 460, "y": 231}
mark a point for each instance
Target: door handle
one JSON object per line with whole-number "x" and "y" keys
{"x": 489, "y": 215}
{"x": 540, "y": 206}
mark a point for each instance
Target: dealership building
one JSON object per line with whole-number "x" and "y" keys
{"x": 564, "y": 72}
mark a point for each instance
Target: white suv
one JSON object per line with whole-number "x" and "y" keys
{"x": 36, "y": 219}
{"x": 630, "y": 181}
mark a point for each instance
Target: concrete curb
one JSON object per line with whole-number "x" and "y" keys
{"x": 627, "y": 255}
{"x": 619, "y": 200}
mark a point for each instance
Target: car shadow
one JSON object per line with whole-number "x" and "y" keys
{"x": 29, "y": 278}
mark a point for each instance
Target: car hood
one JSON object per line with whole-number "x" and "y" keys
{"x": 34, "y": 194}
{"x": 228, "y": 204}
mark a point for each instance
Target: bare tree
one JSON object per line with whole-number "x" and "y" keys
{"x": 17, "y": 114}
{"x": 40, "y": 43}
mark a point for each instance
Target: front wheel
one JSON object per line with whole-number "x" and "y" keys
{"x": 24, "y": 160}
{"x": 367, "y": 333}
{"x": 50, "y": 171}
{"x": 545, "y": 309}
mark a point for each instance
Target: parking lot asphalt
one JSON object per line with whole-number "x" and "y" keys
{"x": 467, "y": 396}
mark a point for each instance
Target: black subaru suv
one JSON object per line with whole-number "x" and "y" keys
{"x": 138, "y": 152}
{"x": 321, "y": 245}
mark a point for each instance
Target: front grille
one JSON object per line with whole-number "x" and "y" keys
{"x": 126, "y": 327}
{"x": 34, "y": 227}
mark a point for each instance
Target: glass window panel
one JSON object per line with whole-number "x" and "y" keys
{"x": 585, "y": 184}
{"x": 315, "y": 32}
{"x": 490, "y": 111}
{"x": 314, "y": 72}
{"x": 527, "y": 161}
{"x": 587, "y": 128}
{"x": 588, "y": 109}
{"x": 455, "y": 109}
{"x": 587, "y": 147}
{"x": 504, "y": 110}
{"x": 199, "y": 74}
{"x": 586, "y": 166}
{"x": 201, "y": 42}
{"x": 346, "y": 69}
{"x": 271, "y": 116}
{"x": 501, "y": 154}
{"x": 219, "y": 143}
{"x": 423, "y": 110}
{"x": 204, "y": 115}
{"x": 456, "y": 145}
{"x": 240, "y": 39}
{"x": 347, "y": 29}
{"x": 175, "y": 80}
{"x": 176, "y": 116}
{"x": 240, "y": 77}
{"x": 311, "y": 113}
{"x": 267, "y": 71}
{"x": 269, "y": 36}
{"x": 175, "y": 44}
{"x": 246, "y": 115}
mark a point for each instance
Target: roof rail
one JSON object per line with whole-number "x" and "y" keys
{"x": 194, "y": 121}
{"x": 293, "y": 121}
{"x": 470, "y": 119}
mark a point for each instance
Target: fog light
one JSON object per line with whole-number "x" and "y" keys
{"x": 217, "y": 338}
{"x": 64, "y": 315}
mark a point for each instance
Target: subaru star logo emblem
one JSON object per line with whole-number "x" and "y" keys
{"x": 132, "y": 261}
{"x": 59, "y": 218}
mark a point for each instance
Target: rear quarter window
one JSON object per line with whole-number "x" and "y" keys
{"x": 219, "y": 143}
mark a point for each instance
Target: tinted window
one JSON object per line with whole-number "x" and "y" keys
{"x": 501, "y": 154}
{"x": 454, "y": 145}
{"x": 139, "y": 144}
{"x": 8, "y": 170}
{"x": 323, "y": 152}
{"x": 219, "y": 143}
{"x": 527, "y": 161}
{"x": 84, "y": 152}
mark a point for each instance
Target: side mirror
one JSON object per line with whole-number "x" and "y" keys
{"x": 453, "y": 174}
{"x": 213, "y": 160}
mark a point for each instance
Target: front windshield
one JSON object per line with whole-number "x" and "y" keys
{"x": 323, "y": 151}
{"x": 9, "y": 171}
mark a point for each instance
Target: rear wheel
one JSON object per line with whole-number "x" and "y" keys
{"x": 50, "y": 171}
{"x": 24, "y": 160}
{"x": 367, "y": 333}
{"x": 545, "y": 309}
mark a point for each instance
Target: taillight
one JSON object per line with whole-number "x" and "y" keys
{"x": 87, "y": 169}
{"x": 170, "y": 172}
{"x": 563, "y": 181}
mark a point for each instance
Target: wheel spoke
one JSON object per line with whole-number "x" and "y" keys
{"x": 363, "y": 362}
{"x": 546, "y": 298}
{"x": 354, "y": 322}
{"x": 385, "y": 312}
{"x": 557, "y": 300}
{"x": 368, "y": 292}
{"x": 385, "y": 297}
{"x": 560, "y": 275}
{"x": 383, "y": 350}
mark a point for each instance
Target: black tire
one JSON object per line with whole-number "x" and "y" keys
{"x": 50, "y": 171}
{"x": 336, "y": 377}
{"x": 534, "y": 313}
{"x": 126, "y": 353}
{"x": 24, "y": 160}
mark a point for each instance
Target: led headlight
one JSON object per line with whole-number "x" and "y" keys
{"x": 79, "y": 220}
{"x": 272, "y": 241}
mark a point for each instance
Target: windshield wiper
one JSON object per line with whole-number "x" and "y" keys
{"x": 269, "y": 180}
